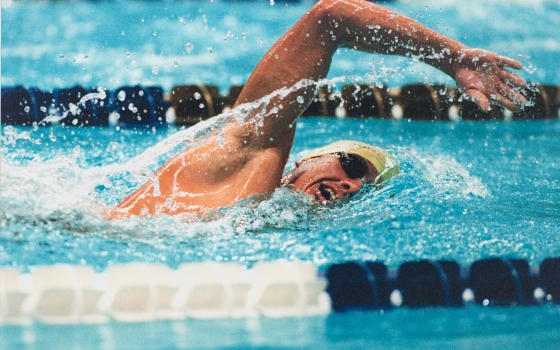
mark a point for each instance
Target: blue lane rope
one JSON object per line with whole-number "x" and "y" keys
{"x": 420, "y": 101}
{"x": 493, "y": 281}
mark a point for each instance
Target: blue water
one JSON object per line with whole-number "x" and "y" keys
{"x": 468, "y": 190}
{"x": 114, "y": 43}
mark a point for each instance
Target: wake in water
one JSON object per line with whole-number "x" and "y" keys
{"x": 82, "y": 182}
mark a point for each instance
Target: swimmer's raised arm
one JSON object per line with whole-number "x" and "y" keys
{"x": 305, "y": 51}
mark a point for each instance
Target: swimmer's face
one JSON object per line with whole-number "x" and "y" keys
{"x": 330, "y": 178}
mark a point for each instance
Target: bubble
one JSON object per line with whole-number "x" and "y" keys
{"x": 121, "y": 96}
{"x": 197, "y": 96}
{"x": 201, "y": 105}
{"x": 300, "y": 99}
{"x": 189, "y": 47}
{"x": 155, "y": 70}
{"x": 209, "y": 49}
{"x": 26, "y": 109}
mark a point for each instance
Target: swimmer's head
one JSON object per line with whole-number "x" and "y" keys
{"x": 339, "y": 170}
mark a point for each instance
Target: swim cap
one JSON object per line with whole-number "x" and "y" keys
{"x": 386, "y": 165}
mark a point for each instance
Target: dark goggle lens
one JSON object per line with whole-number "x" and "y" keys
{"x": 353, "y": 165}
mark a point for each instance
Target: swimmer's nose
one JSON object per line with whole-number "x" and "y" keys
{"x": 350, "y": 187}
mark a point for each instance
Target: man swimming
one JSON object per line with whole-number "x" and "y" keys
{"x": 250, "y": 159}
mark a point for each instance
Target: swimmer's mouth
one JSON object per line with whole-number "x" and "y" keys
{"x": 327, "y": 193}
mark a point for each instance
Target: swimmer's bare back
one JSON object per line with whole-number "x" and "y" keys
{"x": 252, "y": 159}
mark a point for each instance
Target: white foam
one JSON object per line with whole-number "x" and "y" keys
{"x": 449, "y": 176}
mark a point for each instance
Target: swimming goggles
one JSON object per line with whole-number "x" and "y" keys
{"x": 353, "y": 165}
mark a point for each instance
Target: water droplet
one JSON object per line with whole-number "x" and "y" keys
{"x": 75, "y": 122}
{"x": 333, "y": 37}
{"x": 209, "y": 49}
{"x": 61, "y": 56}
{"x": 197, "y": 96}
{"x": 243, "y": 35}
{"x": 26, "y": 109}
{"x": 300, "y": 99}
{"x": 141, "y": 93}
{"x": 154, "y": 70}
{"x": 122, "y": 33}
{"x": 176, "y": 64}
{"x": 121, "y": 95}
{"x": 43, "y": 109}
{"x": 261, "y": 41}
{"x": 201, "y": 105}
{"x": 189, "y": 47}
{"x": 155, "y": 33}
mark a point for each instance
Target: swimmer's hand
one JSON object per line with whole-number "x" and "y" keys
{"x": 482, "y": 76}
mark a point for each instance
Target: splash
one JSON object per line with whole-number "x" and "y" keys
{"x": 449, "y": 178}
{"x": 74, "y": 109}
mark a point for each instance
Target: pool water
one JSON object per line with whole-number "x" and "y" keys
{"x": 467, "y": 190}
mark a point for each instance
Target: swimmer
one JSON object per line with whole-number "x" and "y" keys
{"x": 250, "y": 159}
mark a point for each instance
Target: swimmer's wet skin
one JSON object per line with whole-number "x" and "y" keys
{"x": 250, "y": 160}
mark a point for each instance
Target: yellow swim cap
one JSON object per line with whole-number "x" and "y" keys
{"x": 386, "y": 165}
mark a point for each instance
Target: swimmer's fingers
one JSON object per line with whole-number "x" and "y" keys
{"x": 512, "y": 95}
{"x": 512, "y": 79}
{"x": 483, "y": 101}
{"x": 507, "y": 62}
{"x": 505, "y": 102}
{"x": 479, "y": 98}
